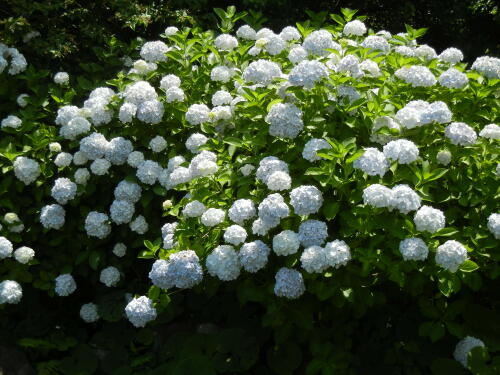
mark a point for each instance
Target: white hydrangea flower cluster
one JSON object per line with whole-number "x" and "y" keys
{"x": 463, "y": 348}
{"x": 419, "y": 112}
{"x": 27, "y": 170}
{"x": 61, "y": 78}
{"x": 494, "y": 225}
{"x": 313, "y": 233}
{"x": 140, "y": 311}
{"x": 24, "y": 254}
{"x": 52, "y": 216}
{"x": 63, "y": 190}
{"x": 400, "y": 197}
{"x": 65, "y": 285}
{"x": 110, "y": 276}
{"x": 402, "y": 150}
{"x": 88, "y": 312}
{"x": 235, "y": 235}
{"x": 317, "y": 259}
{"x": 97, "y": 225}
{"x": 488, "y": 66}
{"x": 168, "y": 233}
{"x": 261, "y": 72}
{"x": 242, "y": 210}
{"x": 182, "y": 270}
{"x": 490, "y": 131}
{"x": 18, "y": 62}
{"x": 285, "y": 120}
{"x": 224, "y": 263}
{"x": 451, "y": 255}
{"x": 372, "y": 162}
{"x": 417, "y": 76}
{"x": 306, "y": 200}
{"x": 289, "y": 283}
{"x": 453, "y": 79}
{"x": 451, "y": 55}
{"x": 286, "y": 243}
{"x": 120, "y": 249}
{"x": 10, "y": 292}
{"x": 307, "y": 73}
{"x": 459, "y": 133}
{"x": 11, "y": 121}
{"x": 212, "y": 217}
{"x": 428, "y": 219}
{"x": 312, "y": 146}
{"x": 6, "y": 248}
{"x": 154, "y": 51}
{"x": 413, "y": 249}
{"x": 253, "y": 256}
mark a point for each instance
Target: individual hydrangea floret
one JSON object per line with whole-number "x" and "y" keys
{"x": 413, "y": 249}
{"x": 402, "y": 150}
{"x": 96, "y": 225}
{"x": 372, "y": 162}
{"x": 10, "y": 292}
{"x": 487, "y": 66}
{"x": 139, "y": 225}
{"x": 52, "y": 216}
{"x": 307, "y": 73}
{"x": 313, "y": 233}
{"x": 110, "y": 276}
{"x": 253, "y": 256}
{"x": 88, "y": 312}
{"x": 261, "y": 72}
{"x": 100, "y": 167}
{"x": 285, "y": 120}
{"x": 242, "y": 210}
{"x": 494, "y": 225}
{"x": 451, "y": 255}
{"x": 65, "y": 285}
{"x": 306, "y": 200}
{"x": 313, "y": 259}
{"x": 377, "y": 195}
{"x": 317, "y": 43}
{"x": 63, "y": 159}
{"x": 140, "y": 311}
{"x": 24, "y": 254}
{"x": 286, "y": 243}
{"x": 453, "y": 79}
{"x": 5, "y": 248}
{"x": 63, "y": 190}
{"x": 490, "y": 131}
{"x": 213, "y": 217}
{"x": 428, "y": 219}
{"x": 120, "y": 249}
{"x": 235, "y": 235}
{"x": 459, "y": 133}
{"x": 355, "y": 27}
{"x": 224, "y": 263}
{"x": 289, "y": 283}
{"x": 26, "y": 170}
{"x": 337, "y": 253}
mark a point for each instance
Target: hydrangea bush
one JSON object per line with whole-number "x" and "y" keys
{"x": 281, "y": 192}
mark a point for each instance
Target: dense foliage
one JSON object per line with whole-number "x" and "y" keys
{"x": 316, "y": 201}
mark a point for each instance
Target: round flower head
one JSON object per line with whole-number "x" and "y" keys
{"x": 297, "y": 54}
{"x": 158, "y": 144}
{"x": 119, "y": 249}
{"x": 278, "y": 181}
{"x": 451, "y": 55}
{"x": 307, "y": 73}
{"x": 494, "y": 225}
{"x": 262, "y": 72}
{"x": 355, "y": 27}
{"x": 290, "y": 33}
{"x": 213, "y": 217}
{"x": 139, "y": 92}
{"x": 375, "y": 42}
{"x": 77, "y": 126}
{"x": 182, "y": 270}
{"x": 148, "y": 172}
{"x": 272, "y": 209}
{"x": 150, "y": 112}
{"x": 65, "y": 285}
{"x": 223, "y": 262}
{"x": 487, "y": 66}
{"x": 194, "y": 209}
{"x": 127, "y": 112}
{"x": 313, "y": 233}
{"x": 135, "y": 158}
{"x": 63, "y": 190}
{"x": 312, "y": 146}
{"x": 139, "y": 225}
{"x": 11, "y": 121}
{"x": 285, "y": 120}
{"x": 317, "y": 43}
{"x": 453, "y": 79}
{"x": 79, "y": 158}
{"x": 61, "y": 78}
{"x": 118, "y": 150}
{"x": 22, "y": 100}
{"x": 10, "y": 292}
{"x": 413, "y": 249}
{"x": 426, "y": 52}
{"x": 491, "y": 131}
{"x": 88, "y": 312}
{"x": 174, "y": 94}
{"x": 402, "y": 150}
{"x": 195, "y": 141}
{"x": 306, "y": 200}
{"x": 55, "y": 147}
{"x": 24, "y": 254}
{"x": 63, "y": 159}
{"x": 197, "y": 114}
{"x": 52, "y": 216}
{"x": 314, "y": 260}
{"x": 225, "y": 42}
{"x": 443, "y": 157}
{"x": 463, "y": 348}
{"x": 154, "y": 51}
{"x": 372, "y": 162}
{"x": 459, "y": 133}
{"x": 337, "y": 253}
{"x": 100, "y": 167}
{"x": 5, "y": 248}
{"x": 268, "y": 166}
{"x": 128, "y": 191}
{"x": 221, "y": 74}
{"x": 419, "y": 76}
{"x": 96, "y": 225}
{"x": 286, "y": 243}
{"x": 110, "y": 276}
{"x": 377, "y": 195}
{"x": 94, "y": 146}
{"x": 404, "y": 199}
{"x": 242, "y": 210}
{"x": 171, "y": 30}
{"x": 121, "y": 211}
{"x": 289, "y": 283}
{"x": 429, "y": 219}
{"x": 235, "y": 235}
{"x": 247, "y": 169}
{"x": 66, "y": 113}
{"x": 253, "y": 256}
{"x": 451, "y": 255}
{"x": 27, "y": 170}
{"x": 246, "y": 32}
{"x": 140, "y": 311}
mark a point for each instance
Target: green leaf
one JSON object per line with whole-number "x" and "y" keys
{"x": 468, "y": 266}
{"x": 337, "y": 19}
{"x": 233, "y": 141}
{"x": 330, "y": 209}
{"x": 94, "y": 259}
